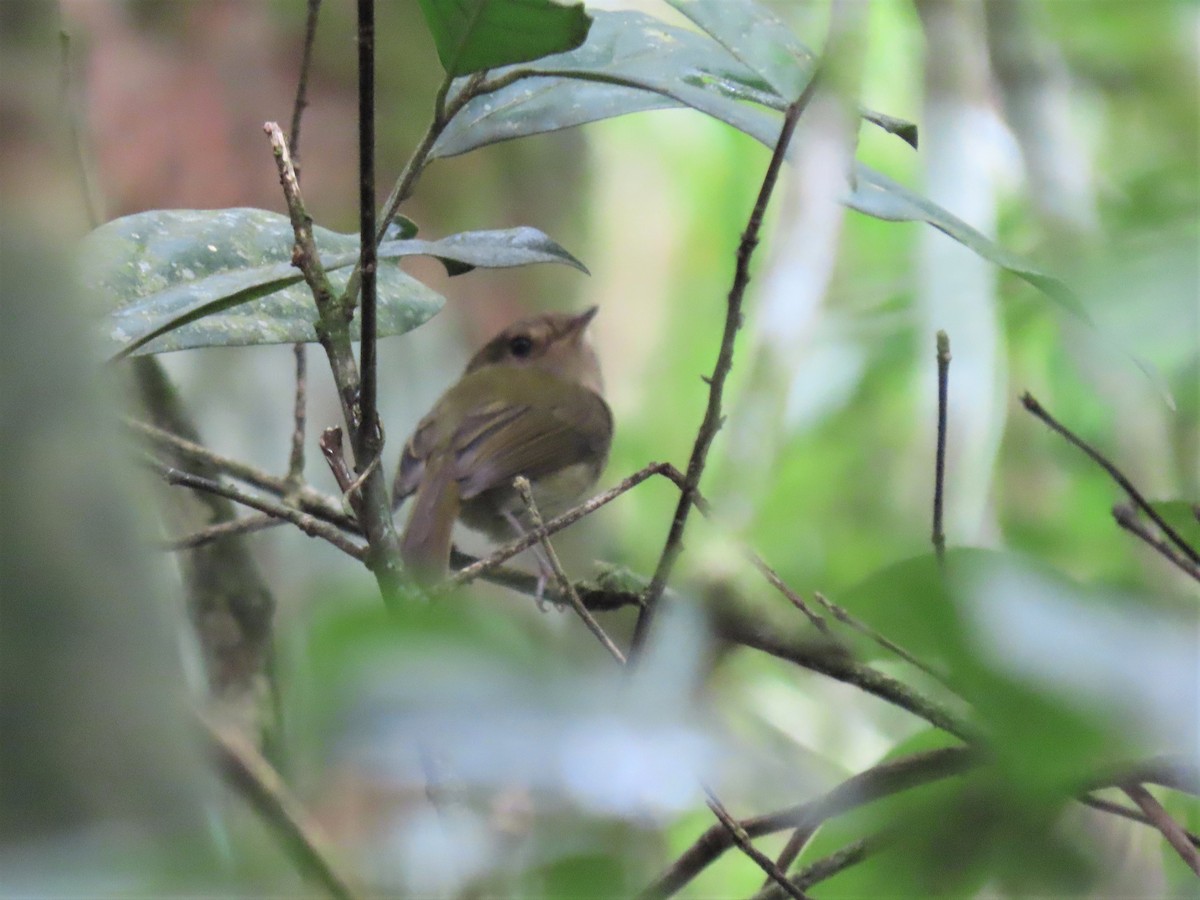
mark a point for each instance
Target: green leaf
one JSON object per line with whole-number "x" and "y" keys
{"x": 632, "y": 62}
{"x": 762, "y": 42}
{"x": 877, "y": 195}
{"x": 758, "y": 39}
{"x": 498, "y": 249}
{"x": 180, "y": 279}
{"x": 471, "y": 35}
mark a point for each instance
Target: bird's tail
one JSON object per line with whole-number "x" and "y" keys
{"x": 425, "y": 544}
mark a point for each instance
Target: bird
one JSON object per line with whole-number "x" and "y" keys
{"x": 530, "y": 402}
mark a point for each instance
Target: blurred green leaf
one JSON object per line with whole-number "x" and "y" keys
{"x": 581, "y": 874}
{"x": 632, "y": 62}
{"x": 1027, "y": 649}
{"x": 877, "y": 195}
{"x": 484, "y": 34}
{"x": 180, "y": 279}
{"x": 766, "y": 45}
{"x": 951, "y": 837}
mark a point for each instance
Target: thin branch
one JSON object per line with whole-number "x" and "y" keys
{"x": 939, "y": 472}
{"x": 1127, "y": 519}
{"x": 295, "y": 473}
{"x": 844, "y": 616}
{"x": 305, "y": 498}
{"x": 1161, "y": 819}
{"x": 222, "y": 530}
{"x": 255, "y": 779}
{"x": 791, "y": 850}
{"x": 1133, "y": 815}
{"x": 713, "y": 416}
{"x": 306, "y": 523}
{"x": 880, "y": 781}
{"x": 828, "y": 866}
{"x": 558, "y": 523}
{"x": 776, "y": 582}
{"x": 333, "y": 331}
{"x": 295, "y": 470}
{"x": 564, "y": 583}
{"x": 764, "y": 862}
{"x": 1038, "y": 410}
{"x": 301, "y": 101}
{"x": 833, "y": 662}
{"x": 367, "y": 439}
{"x": 412, "y": 170}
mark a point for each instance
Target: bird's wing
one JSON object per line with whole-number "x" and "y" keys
{"x": 501, "y": 440}
{"x": 412, "y": 460}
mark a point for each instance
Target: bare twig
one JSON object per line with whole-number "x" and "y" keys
{"x": 1133, "y": 815}
{"x": 791, "y": 850}
{"x": 1161, "y": 819}
{"x": 939, "y": 472}
{"x": 880, "y": 781}
{"x": 564, "y": 583}
{"x": 735, "y": 625}
{"x": 307, "y": 499}
{"x": 1135, "y": 495}
{"x": 331, "y": 448}
{"x": 713, "y": 416}
{"x": 828, "y": 866}
{"x": 255, "y": 779}
{"x": 764, "y": 862}
{"x": 296, "y": 458}
{"x": 558, "y": 523}
{"x": 301, "y": 101}
{"x": 295, "y": 473}
{"x": 844, "y": 616}
{"x": 368, "y": 441}
{"x": 310, "y": 525}
{"x": 776, "y": 582}
{"x": 222, "y": 530}
{"x": 1127, "y": 519}
{"x": 333, "y": 331}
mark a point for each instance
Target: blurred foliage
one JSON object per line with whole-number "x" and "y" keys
{"x": 477, "y": 746}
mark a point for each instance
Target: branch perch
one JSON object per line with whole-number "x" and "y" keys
{"x": 713, "y": 417}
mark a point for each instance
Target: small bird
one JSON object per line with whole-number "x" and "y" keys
{"x": 529, "y": 403}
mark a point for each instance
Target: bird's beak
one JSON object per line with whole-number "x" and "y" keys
{"x": 580, "y": 323}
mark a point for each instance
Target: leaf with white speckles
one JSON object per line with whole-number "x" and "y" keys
{"x": 629, "y": 63}
{"x": 180, "y": 279}
{"x": 765, "y": 44}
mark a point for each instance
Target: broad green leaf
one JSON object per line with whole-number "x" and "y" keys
{"x": 629, "y": 63}
{"x": 877, "y": 195}
{"x": 762, "y": 42}
{"x": 179, "y": 279}
{"x": 632, "y": 62}
{"x": 498, "y": 249}
{"x": 757, "y": 38}
{"x": 484, "y": 34}
{"x": 1026, "y": 648}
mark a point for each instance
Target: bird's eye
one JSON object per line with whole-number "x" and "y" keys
{"x": 520, "y": 346}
